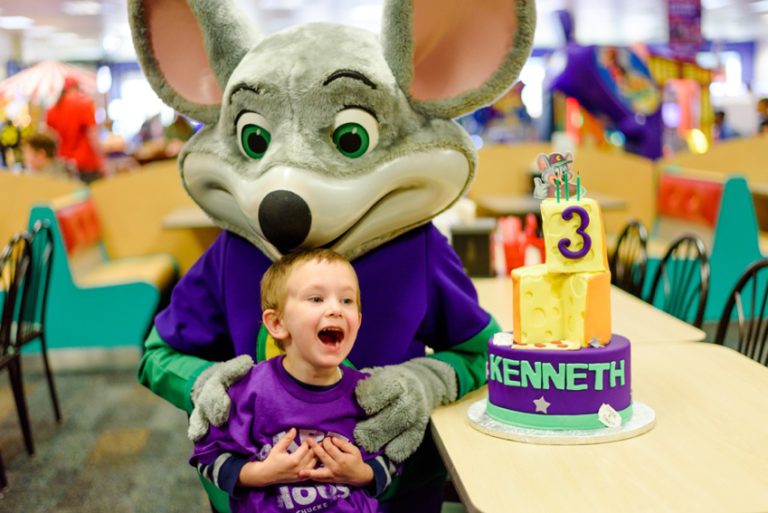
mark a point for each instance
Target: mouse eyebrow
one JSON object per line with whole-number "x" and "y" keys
{"x": 242, "y": 86}
{"x": 349, "y": 73}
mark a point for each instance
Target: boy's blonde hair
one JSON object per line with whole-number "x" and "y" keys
{"x": 273, "y": 283}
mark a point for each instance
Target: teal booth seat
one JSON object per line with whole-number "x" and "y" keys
{"x": 733, "y": 245}
{"x": 93, "y": 299}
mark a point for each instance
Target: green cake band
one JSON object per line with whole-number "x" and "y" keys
{"x": 553, "y": 422}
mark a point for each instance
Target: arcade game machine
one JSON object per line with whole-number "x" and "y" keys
{"x": 687, "y": 107}
{"x": 608, "y": 90}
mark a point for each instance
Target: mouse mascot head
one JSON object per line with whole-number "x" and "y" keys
{"x": 330, "y": 136}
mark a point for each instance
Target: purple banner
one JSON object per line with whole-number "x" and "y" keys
{"x": 684, "y": 18}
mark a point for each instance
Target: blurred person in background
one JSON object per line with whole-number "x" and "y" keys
{"x": 9, "y": 142}
{"x": 176, "y": 134}
{"x": 73, "y": 118}
{"x": 112, "y": 144}
{"x": 150, "y": 141}
{"x": 721, "y": 127}
{"x": 38, "y": 152}
{"x": 762, "y": 112}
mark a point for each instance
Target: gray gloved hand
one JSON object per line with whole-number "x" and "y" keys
{"x": 401, "y": 398}
{"x": 540, "y": 188}
{"x": 209, "y": 394}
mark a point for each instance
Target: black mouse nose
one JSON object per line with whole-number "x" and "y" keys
{"x": 285, "y": 219}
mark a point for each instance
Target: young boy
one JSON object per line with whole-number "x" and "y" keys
{"x": 287, "y": 443}
{"x": 38, "y": 153}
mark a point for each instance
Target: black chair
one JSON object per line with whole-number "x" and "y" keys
{"x": 31, "y": 325}
{"x": 630, "y": 258}
{"x": 15, "y": 262}
{"x": 682, "y": 279}
{"x": 749, "y": 297}
{"x": 3, "y": 477}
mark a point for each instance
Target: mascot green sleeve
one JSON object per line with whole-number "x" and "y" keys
{"x": 327, "y": 135}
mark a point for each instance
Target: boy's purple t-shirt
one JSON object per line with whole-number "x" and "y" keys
{"x": 414, "y": 292}
{"x": 266, "y": 404}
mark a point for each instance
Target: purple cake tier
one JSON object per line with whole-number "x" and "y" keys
{"x": 551, "y": 389}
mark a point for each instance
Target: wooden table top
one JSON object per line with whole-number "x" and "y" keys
{"x": 760, "y": 188}
{"x": 521, "y": 204}
{"x": 188, "y": 217}
{"x": 706, "y": 453}
{"x": 631, "y": 316}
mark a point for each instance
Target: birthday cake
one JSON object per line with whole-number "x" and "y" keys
{"x": 561, "y": 368}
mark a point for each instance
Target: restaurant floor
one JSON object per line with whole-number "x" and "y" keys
{"x": 119, "y": 449}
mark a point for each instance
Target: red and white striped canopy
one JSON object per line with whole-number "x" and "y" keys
{"x": 43, "y": 82}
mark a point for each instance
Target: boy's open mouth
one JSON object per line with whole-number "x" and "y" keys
{"x": 331, "y": 335}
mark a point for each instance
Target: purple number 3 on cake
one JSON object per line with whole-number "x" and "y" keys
{"x": 563, "y": 244}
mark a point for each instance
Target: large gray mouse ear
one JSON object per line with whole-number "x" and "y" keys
{"x": 188, "y": 49}
{"x": 454, "y": 56}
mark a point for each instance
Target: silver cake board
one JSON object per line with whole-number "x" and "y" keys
{"x": 643, "y": 419}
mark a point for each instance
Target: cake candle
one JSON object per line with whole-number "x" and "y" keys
{"x": 557, "y": 189}
{"x": 578, "y": 186}
{"x": 565, "y": 185}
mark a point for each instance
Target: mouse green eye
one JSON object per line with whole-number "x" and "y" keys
{"x": 253, "y": 135}
{"x": 352, "y": 140}
{"x": 255, "y": 140}
{"x": 355, "y": 132}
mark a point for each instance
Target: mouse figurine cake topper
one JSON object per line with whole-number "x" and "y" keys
{"x": 324, "y": 135}
{"x": 556, "y": 170}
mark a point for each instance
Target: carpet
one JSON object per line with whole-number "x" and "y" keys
{"x": 119, "y": 448}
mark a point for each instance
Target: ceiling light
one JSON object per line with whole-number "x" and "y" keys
{"x": 366, "y": 12}
{"x": 81, "y": 8}
{"x": 715, "y": 4}
{"x": 110, "y": 43}
{"x": 280, "y": 5}
{"x": 103, "y": 79}
{"x": 65, "y": 36}
{"x": 15, "y": 22}
{"x": 39, "y": 30}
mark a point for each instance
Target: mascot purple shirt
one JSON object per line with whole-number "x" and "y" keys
{"x": 330, "y": 136}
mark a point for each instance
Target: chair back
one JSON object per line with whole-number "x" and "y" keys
{"x": 15, "y": 262}
{"x": 33, "y": 313}
{"x": 748, "y": 300}
{"x": 629, "y": 260}
{"x": 681, "y": 284}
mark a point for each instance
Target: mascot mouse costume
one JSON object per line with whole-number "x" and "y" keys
{"x": 327, "y": 135}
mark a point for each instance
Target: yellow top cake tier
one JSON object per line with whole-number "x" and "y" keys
{"x": 574, "y": 236}
{"x": 565, "y": 301}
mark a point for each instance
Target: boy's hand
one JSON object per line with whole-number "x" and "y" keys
{"x": 280, "y": 466}
{"x": 342, "y": 462}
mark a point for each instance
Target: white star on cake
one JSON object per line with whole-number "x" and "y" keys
{"x": 541, "y": 405}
